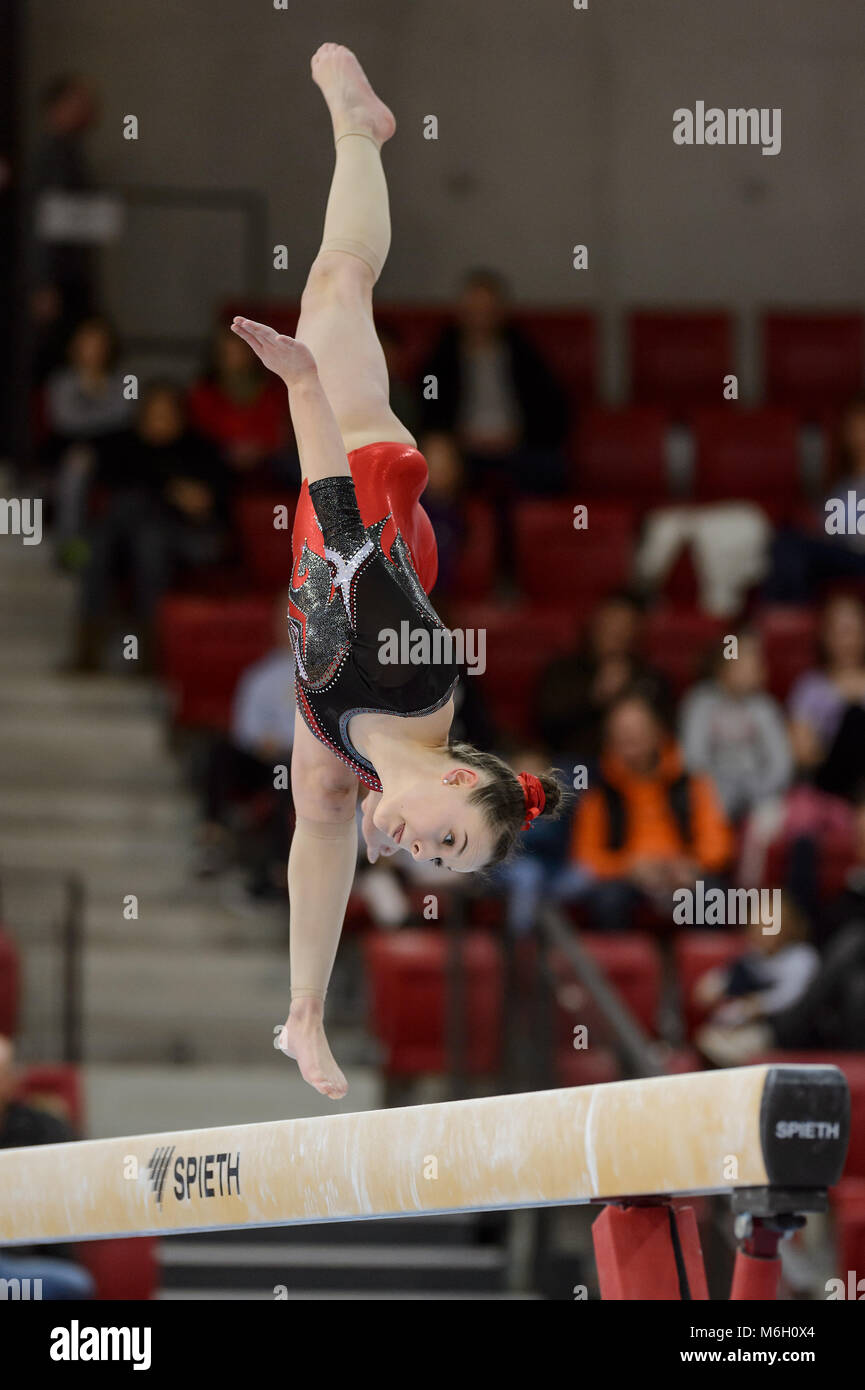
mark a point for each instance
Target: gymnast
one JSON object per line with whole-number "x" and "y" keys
{"x": 365, "y": 561}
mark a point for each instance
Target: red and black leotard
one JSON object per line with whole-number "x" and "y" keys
{"x": 364, "y": 561}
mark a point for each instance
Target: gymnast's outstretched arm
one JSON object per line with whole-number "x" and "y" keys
{"x": 321, "y": 867}
{"x": 319, "y": 441}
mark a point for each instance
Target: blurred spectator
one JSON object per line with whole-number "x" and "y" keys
{"x": 240, "y": 407}
{"x": 828, "y": 1011}
{"x": 164, "y": 499}
{"x": 443, "y": 502}
{"x": 63, "y": 271}
{"x": 804, "y": 558}
{"x": 578, "y": 688}
{"x": 240, "y": 767}
{"x": 542, "y": 868}
{"x": 501, "y": 403}
{"x": 494, "y": 392}
{"x": 771, "y": 979}
{"x": 22, "y": 1126}
{"x": 84, "y": 401}
{"x": 827, "y": 705}
{"x": 735, "y": 732}
{"x": 645, "y": 827}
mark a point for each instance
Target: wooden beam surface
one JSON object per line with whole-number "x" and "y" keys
{"x": 692, "y": 1133}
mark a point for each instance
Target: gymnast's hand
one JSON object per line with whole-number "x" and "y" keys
{"x": 285, "y": 356}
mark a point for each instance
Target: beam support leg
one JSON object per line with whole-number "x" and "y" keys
{"x": 649, "y": 1252}
{"x": 758, "y": 1266}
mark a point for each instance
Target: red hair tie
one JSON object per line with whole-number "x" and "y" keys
{"x": 534, "y": 793}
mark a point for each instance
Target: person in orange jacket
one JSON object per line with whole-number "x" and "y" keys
{"x": 645, "y": 826}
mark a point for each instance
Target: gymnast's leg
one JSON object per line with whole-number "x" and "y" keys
{"x": 336, "y": 319}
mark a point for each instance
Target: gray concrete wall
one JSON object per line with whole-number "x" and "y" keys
{"x": 555, "y": 128}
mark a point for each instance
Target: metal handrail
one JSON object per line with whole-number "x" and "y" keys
{"x": 639, "y": 1054}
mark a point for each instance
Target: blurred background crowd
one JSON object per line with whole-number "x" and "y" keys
{"x": 667, "y": 621}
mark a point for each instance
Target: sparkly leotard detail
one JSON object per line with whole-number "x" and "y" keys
{"x": 340, "y": 605}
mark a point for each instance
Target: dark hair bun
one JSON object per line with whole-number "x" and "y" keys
{"x": 553, "y": 793}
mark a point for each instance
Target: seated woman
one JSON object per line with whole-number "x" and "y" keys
{"x": 827, "y": 704}
{"x": 733, "y": 730}
{"x": 239, "y": 409}
{"x": 161, "y": 512}
{"x": 364, "y": 561}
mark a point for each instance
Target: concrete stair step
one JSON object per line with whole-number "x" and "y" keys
{"x": 91, "y": 695}
{"x": 22, "y": 764}
{"x": 136, "y": 734}
{"x": 157, "y": 809}
{"x": 31, "y": 652}
{"x": 201, "y": 913}
{"x": 142, "y": 1005}
{"x": 175, "y": 925}
{"x": 86, "y": 852}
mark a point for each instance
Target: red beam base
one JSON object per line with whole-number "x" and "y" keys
{"x": 755, "y": 1278}
{"x": 649, "y": 1252}
{"x": 758, "y": 1268}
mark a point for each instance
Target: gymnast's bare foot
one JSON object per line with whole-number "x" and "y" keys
{"x": 351, "y": 101}
{"x": 303, "y": 1040}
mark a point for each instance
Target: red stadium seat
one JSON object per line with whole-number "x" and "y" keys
{"x": 678, "y": 641}
{"x": 836, "y": 856}
{"x": 813, "y": 362}
{"x": 679, "y": 358}
{"x": 417, "y": 328}
{"x": 749, "y": 455}
{"x": 558, "y": 564}
{"x": 477, "y": 561}
{"x": 789, "y": 637}
{"x": 123, "y": 1270}
{"x": 56, "y": 1087}
{"x": 622, "y": 454}
{"x": 520, "y": 642}
{"x": 205, "y": 645}
{"x": 589, "y": 1068}
{"x": 10, "y": 985}
{"x": 631, "y": 961}
{"x": 567, "y": 340}
{"x": 407, "y": 976}
{"x": 695, "y": 953}
{"x": 266, "y": 548}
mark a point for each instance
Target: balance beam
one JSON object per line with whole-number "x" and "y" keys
{"x": 780, "y": 1128}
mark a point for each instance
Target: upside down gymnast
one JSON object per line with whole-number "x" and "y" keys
{"x": 365, "y": 560}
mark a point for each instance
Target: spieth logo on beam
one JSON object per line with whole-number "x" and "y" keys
{"x": 204, "y": 1175}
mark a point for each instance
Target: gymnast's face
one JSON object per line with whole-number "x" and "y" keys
{"x": 432, "y": 819}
